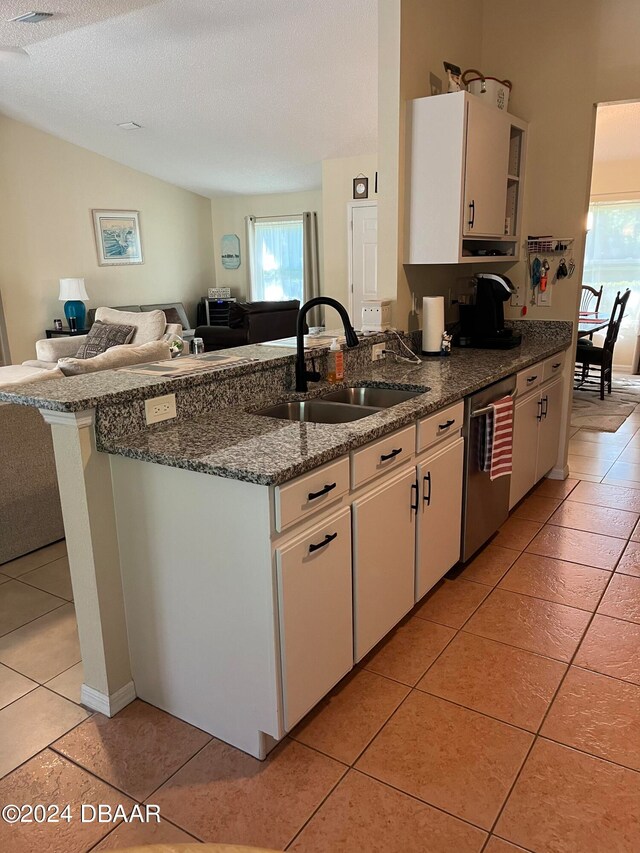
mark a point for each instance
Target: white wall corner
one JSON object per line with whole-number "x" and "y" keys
{"x": 105, "y": 704}
{"x": 558, "y": 473}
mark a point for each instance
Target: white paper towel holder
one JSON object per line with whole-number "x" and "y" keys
{"x": 432, "y": 324}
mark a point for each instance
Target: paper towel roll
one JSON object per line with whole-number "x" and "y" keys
{"x": 432, "y": 324}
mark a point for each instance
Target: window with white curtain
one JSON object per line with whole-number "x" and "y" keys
{"x": 276, "y": 246}
{"x": 612, "y": 260}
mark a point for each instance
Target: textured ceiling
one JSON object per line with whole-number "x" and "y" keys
{"x": 67, "y": 15}
{"x": 235, "y": 96}
{"x": 618, "y": 132}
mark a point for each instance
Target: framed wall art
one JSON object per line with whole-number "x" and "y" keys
{"x": 230, "y": 251}
{"x": 118, "y": 239}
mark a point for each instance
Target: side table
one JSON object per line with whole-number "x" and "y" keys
{"x": 64, "y": 333}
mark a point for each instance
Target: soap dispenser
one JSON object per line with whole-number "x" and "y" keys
{"x": 335, "y": 372}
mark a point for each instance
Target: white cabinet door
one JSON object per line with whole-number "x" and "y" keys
{"x": 439, "y": 515}
{"x": 525, "y": 447}
{"x": 549, "y": 431}
{"x": 383, "y": 558}
{"x": 315, "y": 613}
{"x": 486, "y": 169}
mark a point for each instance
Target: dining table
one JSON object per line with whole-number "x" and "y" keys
{"x": 590, "y": 322}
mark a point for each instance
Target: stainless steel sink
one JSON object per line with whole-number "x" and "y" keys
{"x": 317, "y": 412}
{"x": 381, "y": 398}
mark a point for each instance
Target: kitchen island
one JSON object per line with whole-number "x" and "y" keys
{"x": 237, "y": 600}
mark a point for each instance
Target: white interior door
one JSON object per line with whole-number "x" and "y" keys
{"x": 364, "y": 258}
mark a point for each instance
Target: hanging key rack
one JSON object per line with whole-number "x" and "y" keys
{"x": 549, "y": 260}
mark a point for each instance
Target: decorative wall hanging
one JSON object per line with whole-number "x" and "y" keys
{"x": 230, "y": 251}
{"x": 360, "y": 187}
{"x": 118, "y": 239}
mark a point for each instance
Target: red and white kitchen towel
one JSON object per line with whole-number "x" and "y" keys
{"x": 497, "y": 454}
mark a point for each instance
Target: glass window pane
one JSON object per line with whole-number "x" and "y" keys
{"x": 278, "y": 260}
{"x": 612, "y": 259}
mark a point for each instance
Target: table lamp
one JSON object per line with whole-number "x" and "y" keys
{"x": 72, "y": 292}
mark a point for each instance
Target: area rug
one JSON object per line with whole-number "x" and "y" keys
{"x": 590, "y": 412}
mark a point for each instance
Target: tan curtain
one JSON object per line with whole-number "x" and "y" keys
{"x": 311, "y": 265}
{"x": 5, "y": 357}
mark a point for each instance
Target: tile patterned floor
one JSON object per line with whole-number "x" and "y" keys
{"x": 502, "y": 715}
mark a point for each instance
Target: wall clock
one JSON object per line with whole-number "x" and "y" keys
{"x": 361, "y": 187}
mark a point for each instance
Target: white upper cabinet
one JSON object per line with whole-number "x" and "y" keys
{"x": 486, "y": 170}
{"x": 465, "y": 166}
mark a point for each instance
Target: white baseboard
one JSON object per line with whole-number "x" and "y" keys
{"x": 558, "y": 473}
{"x": 109, "y": 705}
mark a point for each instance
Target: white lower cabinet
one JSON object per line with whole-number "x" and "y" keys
{"x": 439, "y": 515}
{"x": 536, "y": 434}
{"x": 383, "y": 558}
{"x": 315, "y": 613}
{"x": 549, "y": 429}
{"x": 525, "y": 444}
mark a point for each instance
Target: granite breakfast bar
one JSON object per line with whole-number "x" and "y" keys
{"x": 180, "y": 536}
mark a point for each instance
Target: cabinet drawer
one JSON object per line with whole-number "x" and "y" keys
{"x": 553, "y": 366}
{"x": 315, "y": 613}
{"x": 529, "y": 378}
{"x": 382, "y": 455}
{"x": 444, "y": 423}
{"x": 310, "y": 492}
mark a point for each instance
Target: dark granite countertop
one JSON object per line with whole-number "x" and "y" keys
{"x": 237, "y": 444}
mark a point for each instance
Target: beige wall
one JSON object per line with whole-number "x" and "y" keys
{"x": 416, "y": 37}
{"x": 337, "y": 192}
{"x": 589, "y": 56}
{"x": 48, "y": 188}
{"x": 592, "y": 54}
{"x": 228, "y": 217}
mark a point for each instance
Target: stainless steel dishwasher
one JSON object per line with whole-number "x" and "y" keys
{"x": 485, "y": 502}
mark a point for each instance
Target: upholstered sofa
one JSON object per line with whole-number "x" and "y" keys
{"x": 252, "y": 323}
{"x": 150, "y": 326}
{"x": 174, "y": 312}
{"x": 30, "y": 513}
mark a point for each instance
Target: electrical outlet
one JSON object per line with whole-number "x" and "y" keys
{"x": 160, "y": 409}
{"x": 519, "y": 298}
{"x": 377, "y": 352}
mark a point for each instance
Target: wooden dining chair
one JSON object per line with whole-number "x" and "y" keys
{"x": 590, "y": 298}
{"x": 602, "y": 357}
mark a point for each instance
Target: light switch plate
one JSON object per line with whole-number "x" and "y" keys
{"x": 160, "y": 409}
{"x": 543, "y": 297}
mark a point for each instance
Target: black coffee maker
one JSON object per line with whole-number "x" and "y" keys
{"x": 482, "y": 324}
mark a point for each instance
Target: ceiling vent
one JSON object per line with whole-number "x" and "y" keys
{"x": 130, "y": 125}
{"x": 31, "y": 18}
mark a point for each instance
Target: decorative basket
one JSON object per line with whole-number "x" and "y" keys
{"x": 494, "y": 91}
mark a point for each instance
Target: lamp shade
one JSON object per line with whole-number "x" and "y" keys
{"x": 72, "y": 288}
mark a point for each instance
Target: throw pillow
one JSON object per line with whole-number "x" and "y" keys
{"x": 102, "y": 336}
{"x": 149, "y": 325}
{"x": 172, "y": 315}
{"x": 120, "y": 356}
{"x": 237, "y": 313}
